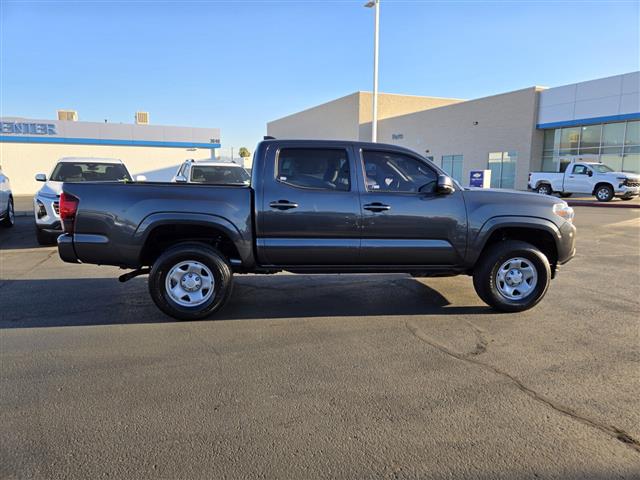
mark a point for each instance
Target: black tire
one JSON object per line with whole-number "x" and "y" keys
{"x": 565, "y": 195}
{"x": 544, "y": 189}
{"x": 191, "y": 252}
{"x": 9, "y": 220}
{"x": 485, "y": 275}
{"x": 604, "y": 193}
{"x": 45, "y": 239}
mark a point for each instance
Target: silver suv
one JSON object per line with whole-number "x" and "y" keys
{"x": 211, "y": 172}
{"x": 70, "y": 169}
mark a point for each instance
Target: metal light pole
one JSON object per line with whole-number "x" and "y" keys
{"x": 375, "y": 4}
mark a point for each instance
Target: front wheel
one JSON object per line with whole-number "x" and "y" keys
{"x": 512, "y": 276}
{"x": 190, "y": 281}
{"x": 604, "y": 193}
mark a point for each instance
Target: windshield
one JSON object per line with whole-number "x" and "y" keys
{"x": 602, "y": 168}
{"x": 89, "y": 172}
{"x": 218, "y": 174}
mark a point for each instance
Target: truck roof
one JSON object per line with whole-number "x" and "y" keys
{"x": 356, "y": 143}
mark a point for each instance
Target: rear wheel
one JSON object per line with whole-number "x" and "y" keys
{"x": 10, "y": 218}
{"x": 544, "y": 189}
{"x": 190, "y": 281}
{"x": 512, "y": 276}
{"x": 604, "y": 193}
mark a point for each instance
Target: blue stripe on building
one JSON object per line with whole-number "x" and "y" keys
{"x": 590, "y": 121}
{"x": 104, "y": 141}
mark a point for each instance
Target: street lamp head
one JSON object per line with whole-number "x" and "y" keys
{"x": 371, "y": 4}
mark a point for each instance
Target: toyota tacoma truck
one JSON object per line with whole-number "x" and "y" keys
{"x": 318, "y": 207}
{"x": 589, "y": 178}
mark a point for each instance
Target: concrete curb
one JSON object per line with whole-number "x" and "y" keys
{"x": 578, "y": 203}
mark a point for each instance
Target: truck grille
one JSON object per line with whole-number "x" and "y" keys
{"x": 56, "y": 208}
{"x": 632, "y": 183}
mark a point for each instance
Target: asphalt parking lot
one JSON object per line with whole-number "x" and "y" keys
{"x": 339, "y": 376}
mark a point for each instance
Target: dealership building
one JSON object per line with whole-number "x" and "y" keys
{"x": 510, "y": 134}
{"x": 29, "y": 146}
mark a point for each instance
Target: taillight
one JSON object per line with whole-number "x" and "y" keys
{"x": 68, "y": 209}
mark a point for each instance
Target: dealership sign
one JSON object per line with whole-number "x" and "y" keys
{"x": 20, "y": 128}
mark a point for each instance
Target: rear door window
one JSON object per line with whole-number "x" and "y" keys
{"x": 314, "y": 168}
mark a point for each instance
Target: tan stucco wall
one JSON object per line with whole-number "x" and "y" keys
{"x": 21, "y": 161}
{"x": 335, "y": 120}
{"x": 393, "y": 105}
{"x": 506, "y": 122}
{"x": 349, "y": 118}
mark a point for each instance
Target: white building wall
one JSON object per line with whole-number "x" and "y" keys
{"x": 604, "y": 97}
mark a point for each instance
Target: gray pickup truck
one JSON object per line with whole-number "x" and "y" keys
{"x": 318, "y": 207}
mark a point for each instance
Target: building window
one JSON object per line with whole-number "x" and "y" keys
{"x": 613, "y": 134}
{"x": 452, "y": 164}
{"x": 614, "y": 144}
{"x": 503, "y": 169}
{"x": 569, "y": 141}
{"x": 590, "y": 139}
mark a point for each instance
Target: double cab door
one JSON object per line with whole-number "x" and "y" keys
{"x": 335, "y": 204}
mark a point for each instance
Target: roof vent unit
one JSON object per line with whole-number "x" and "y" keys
{"x": 142, "y": 118}
{"x": 68, "y": 115}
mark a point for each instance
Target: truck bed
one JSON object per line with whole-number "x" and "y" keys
{"x": 115, "y": 219}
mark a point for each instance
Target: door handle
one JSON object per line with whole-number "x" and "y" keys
{"x": 376, "y": 207}
{"x": 283, "y": 205}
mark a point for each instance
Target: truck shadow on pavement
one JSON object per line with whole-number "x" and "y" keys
{"x": 105, "y": 301}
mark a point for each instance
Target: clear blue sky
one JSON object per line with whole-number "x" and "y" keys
{"x": 236, "y": 65}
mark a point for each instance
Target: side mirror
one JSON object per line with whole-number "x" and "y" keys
{"x": 41, "y": 177}
{"x": 181, "y": 179}
{"x": 590, "y": 173}
{"x": 445, "y": 185}
{"x": 141, "y": 178}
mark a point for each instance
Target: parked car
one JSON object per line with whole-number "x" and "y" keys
{"x": 70, "y": 169}
{"x": 311, "y": 208}
{"x": 7, "y": 213}
{"x": 212, "y": 173}
{"x": 588, "y": 178}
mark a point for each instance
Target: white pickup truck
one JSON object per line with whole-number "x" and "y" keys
{"x": 588, "y": 178}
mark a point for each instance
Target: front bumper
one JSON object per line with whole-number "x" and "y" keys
{"x": 627, "y": 191}
{"x": 567, "y": 243}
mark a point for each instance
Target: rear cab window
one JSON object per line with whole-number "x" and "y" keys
{"x": 314, "y": 168}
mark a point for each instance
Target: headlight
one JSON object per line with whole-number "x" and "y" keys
{"x": 563, "y": 210}
{"x": 42, "y": 212}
